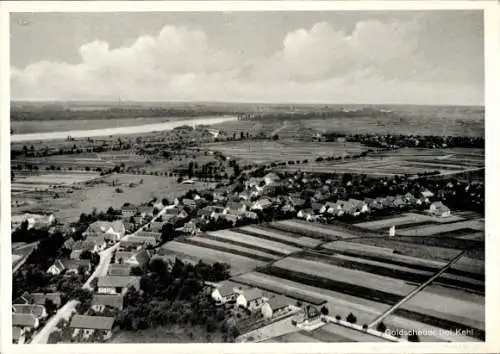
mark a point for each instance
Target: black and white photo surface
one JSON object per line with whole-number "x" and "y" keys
{"x": 247, "y": 177}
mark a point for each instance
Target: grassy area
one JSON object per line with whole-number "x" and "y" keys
{"x": 102, "y": 195}
{"x": 174, "y": 334}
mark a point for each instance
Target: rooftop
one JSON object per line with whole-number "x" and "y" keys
{"x": 92, "y": 322}
{"x": 115, "y": 301}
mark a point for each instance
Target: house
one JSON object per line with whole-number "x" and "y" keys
{"x": 69, "y": 265}
{"x": 189, "y": 202}
{"x": 271, "y": 178}
{"x": 116, "y": 269}
{"x": 275, "y": 306}
{"x": 69, "y": 243}
{"x": 234, "y": 207}
{"x": 154, "y": 234}
{"x": 110, "y": 231}
{"x": 144, "y": 241}
{"x": 25, "y": 299}
{"x": 427, "y": 194}
{"x": 99, "y": 241}
{"x": 117, "y": 284}
{"x": 249, "y": 215}
{"x": 190, "y": 228}
{"x": 330, "y": 208}
{"x": 41, "y": 298}
{"x": 145, "y": 210}
{"x": 225, "y": 292}
{"x": 171, "y": 211}
{"x": 251, "y": 299}
{"x": 18, "y": 335}
{"x": 261, "y": 204}
{"x": 25, "y": 321}
{"x": 134, "y": 259}
{"x": 129, "y": 210}
{"x": 183, "y": 214}
{"x": 100, "y": 302}
{"x": 155, "y": 226}
{"x": 91, "y": 324}
{"x": 316, "y": 206}
{"x": 439, "y": 209}
{"x": 297, "y": 203}
{"x": 82, "y": 246}
{"x": 38, "y": 311}
{"x": 399, "y": 202}
{"x": 306, "y": 214}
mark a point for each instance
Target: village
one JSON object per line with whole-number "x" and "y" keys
{"x": 111, "y": 254}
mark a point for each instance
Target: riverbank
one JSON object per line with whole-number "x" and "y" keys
{"x": 120, "y": 130}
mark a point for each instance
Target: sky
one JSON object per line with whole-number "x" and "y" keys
{"x": 426, "y": 57}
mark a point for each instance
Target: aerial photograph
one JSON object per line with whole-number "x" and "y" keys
{"x": 247, "y": 177}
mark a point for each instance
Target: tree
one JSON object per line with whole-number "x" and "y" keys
{"x": 165, "y": 202}
{"x": 351, "y": 318}
{"x": 276, "y": 137}
{"x": 137, "y": 271}
{"x": 381, "y": 327}
{"x": 324, "y": 311}
{"x": 167, "y": 232}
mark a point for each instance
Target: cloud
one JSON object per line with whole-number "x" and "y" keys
{"x": 375, "y": 63}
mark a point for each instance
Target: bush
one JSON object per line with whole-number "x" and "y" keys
{"x": 365, "y": 327}
{"x": 351, "y": 318}
{"x": 338, "y": 318}
{"x": 324, "y": 311}
{"x": 381, "y": 327}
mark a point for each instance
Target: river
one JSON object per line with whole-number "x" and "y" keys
{"x": 137, "y": 129}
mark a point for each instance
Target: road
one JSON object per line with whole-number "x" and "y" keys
{"x": 65, "y": 311}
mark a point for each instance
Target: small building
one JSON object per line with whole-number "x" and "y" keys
{"x": 117, "y": 284}
{"x": 26, "y": 322}
{"x": 275, "y": 306}
{"x": 261, "y": 204}
{"x": 306, "y": 214}
{"x": 69, "y": 243}
{"x": 91, "y": 324}
{"x": 440, "y": 210}
{"x": 116, "y": 269}
{"x": 83, "y": 246}
{"x": 99, "y": 241}
{"x": 38, "y": 311}
{"x": 128, "y": 211}
{"x": 100, "y": 302}
{"x": 155, "y": 234}
{"x": 250, "y": 299}
{"x": 142, "y": 241}
{"x": 271, "y": 178}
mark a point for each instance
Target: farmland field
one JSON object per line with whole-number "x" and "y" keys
{"x": 436, "y": 229}
{"x": 405, "y": 219}
{"x": 279, "y": 236}
{"x": 345, "y": 275}
{"x": 239, "y": 264}
{"x": 267, "y": 151}
{"x": 102, "y": 195}
{"x": 250, "y": 240}
{"x": 313, "y": 230}
{"x": 224, "y": 246}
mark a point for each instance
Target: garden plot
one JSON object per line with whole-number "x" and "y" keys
{"x": 344, "y": 275}
{"x": 238, "y": 264}
{"x": 228, "y": 247}
{"x": 436, "y": 229}
{"x": 250, "y": 240}
{"x": 302, "y": 241}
